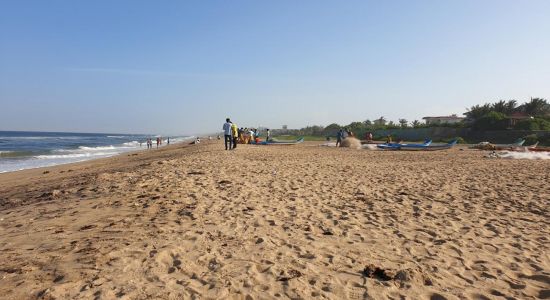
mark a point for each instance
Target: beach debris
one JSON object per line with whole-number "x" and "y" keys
{"x": 493, "y": 154}
{"x": 370, "y": 147}
{"x": 86, "y": 227}
{"x": 187, "y": 211}
{"x": 521, "y": 155}
{"x": 401, "y": 276}
{"x": 288, "y": 275}
{"x": 373, "y": 271}
{"x": 213, "y": 265}
{"x": 51, "y": 195}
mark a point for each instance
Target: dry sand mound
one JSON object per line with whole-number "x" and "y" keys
{"x": 351, "y": 142}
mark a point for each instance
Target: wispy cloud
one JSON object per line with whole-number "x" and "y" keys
{"x": 138, "y": 72}
{"x": 128, "y": 71}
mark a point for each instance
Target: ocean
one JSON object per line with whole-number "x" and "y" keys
{"x": 21, "y": 150}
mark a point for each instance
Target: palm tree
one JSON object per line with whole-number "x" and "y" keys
{"x": 416, "y": 124}
{"x": 537, "y": 107}
{"x": 403, "y": 123}
{"x": 477, "y": 111}
{"x": 499, "y": 106}
{"x": 382, "y": 121}
{"x": 511, "y": 107}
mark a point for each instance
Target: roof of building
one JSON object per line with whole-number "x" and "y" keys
{"x": 519, "y": 115}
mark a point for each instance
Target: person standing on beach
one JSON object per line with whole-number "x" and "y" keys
{"x": 227, "y": 134}
{"x": 158, "y": 142}
{"x": 339, "y": 137}
{"x": 268, "y": 135}
{"x": 234, "y": 134}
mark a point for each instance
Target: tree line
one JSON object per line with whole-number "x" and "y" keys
{"x": 504, "y": 114}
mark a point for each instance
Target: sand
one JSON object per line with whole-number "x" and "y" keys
{"x": 281, "y": 222}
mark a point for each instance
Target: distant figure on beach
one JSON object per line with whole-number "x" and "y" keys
{"x": 268, "y": 135}
{"x": 235, "y": 134}
{"x": 240, "y": 135}
{"x": 149, "y": 143}
{"x": 140, "y": 144}
{"x": 350, "y": 133}
{"x": 158, "y": 142}
{"x": 219, "y": 137}
{"x": 250, "y": 135}
{"x": 369, "y": 136}
{"x": 339, "y": 137}
{"x": 227, "y": 134}
{"x": 168, "y": 141}
{"x": 388, "y": 139}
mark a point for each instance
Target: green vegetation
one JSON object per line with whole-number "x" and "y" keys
{"x": 532, "y": 115}
{"x": 501, "y": 115}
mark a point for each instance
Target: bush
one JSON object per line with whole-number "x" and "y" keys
{"x": 533, "y": 124}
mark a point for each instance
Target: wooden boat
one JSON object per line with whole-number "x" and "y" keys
{"x": 524, "y": 148}
{"x": 280, "y": 142}
{"x": 539, "y": 149}
{"x": 430, "y": 147}
{"x": 535, "y": 148}
{"x": 399, "y": 146}
{"x": 489, "y": 146}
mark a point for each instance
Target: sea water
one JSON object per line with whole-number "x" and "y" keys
{"x": 21, "y": 150}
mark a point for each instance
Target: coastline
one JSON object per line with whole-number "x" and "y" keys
{"x": 69, "y": 150}
{"x": 266, "y": 222}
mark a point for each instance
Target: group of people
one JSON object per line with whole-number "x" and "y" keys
{"x": 230, "y": 134}
{"x": 344, "y": 133}
{"x": 159, "y": 142}
{"x": 234, "y": 135}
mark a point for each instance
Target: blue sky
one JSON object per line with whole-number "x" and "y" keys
{"x": 176, "y": 67}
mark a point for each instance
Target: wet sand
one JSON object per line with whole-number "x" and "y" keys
{"x": 281, "y": 222}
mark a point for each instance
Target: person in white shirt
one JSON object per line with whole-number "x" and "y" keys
{"x": 227, "y": 134}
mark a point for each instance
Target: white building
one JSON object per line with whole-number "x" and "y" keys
{"x": 443, "y": 119}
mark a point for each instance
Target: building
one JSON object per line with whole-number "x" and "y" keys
{"x": 452, "y": 119}
{"x": 516, "y": 117}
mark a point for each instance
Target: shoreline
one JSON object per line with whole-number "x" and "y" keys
{"x": 137, "y": 149}
{"x": 51, "y": 174}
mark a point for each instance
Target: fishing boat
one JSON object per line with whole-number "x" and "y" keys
{"x": 488, "y": 146}
{"x": 539, "y": 149}
{"x": 430, "y": 147}
{"x": 280, "y": 142}
{"x": 525, "y": 148}
{"x": 533, "y": 148}
{"x": 398, "y": 146}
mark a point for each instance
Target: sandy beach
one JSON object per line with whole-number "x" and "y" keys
{"x": 264, "y": 222}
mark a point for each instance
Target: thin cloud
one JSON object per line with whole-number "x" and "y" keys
{"x": 138, "y": 72}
